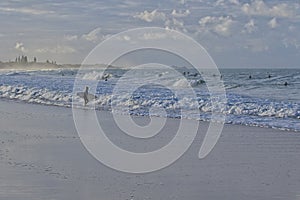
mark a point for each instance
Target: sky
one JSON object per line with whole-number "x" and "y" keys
{"x": 236, "y": 33}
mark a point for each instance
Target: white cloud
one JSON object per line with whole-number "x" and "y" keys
{"x": 250, "y": 27}
{"x": 182, "y": 2}
{"x": 220, "y": 3}
{"x": 180, "y": 13}
{"x": 153, "y": 36}
{"x": 223, "y": 2}
{"x": 220, "y": 25}
{"x": 20, "y": 47}
{"x": 126, "y": 38}
{"x": 151, "y": 16}
{"x": 224, "y": 27}
{"x": 178, "y": 23}
{"x": 26, "y": 11}
{"x": 93, "y": 35}
{"x": 259, "y": 7}
{"x": 248, "y": 19}
{"x": 175, "y": 24}
{"x": 59, "y": 49}
{"x": 123, "y": 38}
{"x": 236, "y": 2}
{"x": 70, "y": 37}
{"x": 273, "y": 23}
{"x": 256, "y": 45}
{"x": 291, "y": 42}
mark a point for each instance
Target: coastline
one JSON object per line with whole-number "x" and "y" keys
{"x": 41, "y": 156}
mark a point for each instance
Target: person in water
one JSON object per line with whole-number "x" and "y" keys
{"x": 85, "y": 95}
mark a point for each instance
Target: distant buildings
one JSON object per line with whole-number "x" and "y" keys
{"x": 52, "y": 62}
{"x": 23, "y": 59}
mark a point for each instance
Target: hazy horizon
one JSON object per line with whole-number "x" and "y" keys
{"x": 11, "y": 62}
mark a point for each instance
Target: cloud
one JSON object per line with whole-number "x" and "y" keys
{"x": 236, "y": 2}
{"x": 227, "y": 25}
{"x": 220, "y": 3}
{"x": 174, "y": 24}
{"x": 26, "y": 11}
{"x": 220, "y": 25}
{"x": 59, "y": 49}
{"x": 182, "y": 2}
{"x": 250, "y": 27}
{"x": 93, "y": 35}
{"x": 20, "y": 47}
{"x": 273, "y": 23}
{"x": 223, "y": 2}
{"x": 127, "y": 38}
{"x": 180, "y": 13}
{"x": 291, "y": 42}
{"x": 258, "y": 7}
{"x": 151, "y": 16}
{"x": 70, "y": 37}
{"x": 123, "y": 38}
{"x": 256, "y": 45}
{"x": 153, "y": 36}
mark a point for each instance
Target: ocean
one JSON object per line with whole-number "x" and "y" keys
{"x": 255, "y": 97}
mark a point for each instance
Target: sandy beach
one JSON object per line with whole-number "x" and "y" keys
{"x": 41, "y": 157}
{"x": 150, "y": 100}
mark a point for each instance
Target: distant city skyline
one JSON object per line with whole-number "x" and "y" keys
{"x": 236, "y": 33}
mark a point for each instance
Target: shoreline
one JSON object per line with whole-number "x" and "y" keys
{"x": 100, "y": 110}
{"x": 42, "y": 155}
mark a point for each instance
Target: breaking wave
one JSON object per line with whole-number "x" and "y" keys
{"x": 239, "y": 109}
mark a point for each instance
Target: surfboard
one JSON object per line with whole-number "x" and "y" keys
{"x": 90, "y": 97}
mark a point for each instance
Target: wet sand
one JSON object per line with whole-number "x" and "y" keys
{"x": 41, "y": 157}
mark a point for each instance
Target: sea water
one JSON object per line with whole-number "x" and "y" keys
{"x": 255, "y": 97}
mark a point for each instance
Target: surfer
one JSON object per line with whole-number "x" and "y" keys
{"x": 85, "y": 95}
{"x": 286, "y": 83}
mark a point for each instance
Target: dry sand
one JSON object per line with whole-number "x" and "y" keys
{"x": 41, "y": 157}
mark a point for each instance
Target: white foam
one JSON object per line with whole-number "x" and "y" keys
{"x": 95, "y": 75}
{"x": 239, "y": 110}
